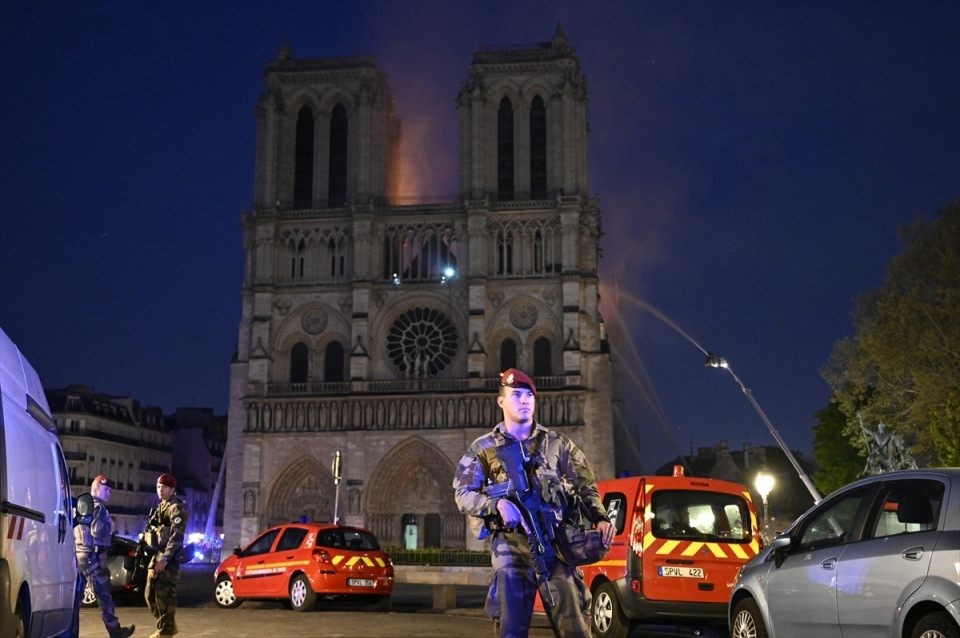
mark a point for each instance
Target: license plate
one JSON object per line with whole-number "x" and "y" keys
{"x": 680, "y": 572}
{"x": 360, "y": 582}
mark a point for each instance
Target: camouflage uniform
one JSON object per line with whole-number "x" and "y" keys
{"x": 513, "y": 586}
{"x": 164, "y": 535}
{"x": 92, "y": 542}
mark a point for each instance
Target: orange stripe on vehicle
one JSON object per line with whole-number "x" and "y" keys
{"x": 610, "y": 563}
{"x": 736, "y": 549}
{"x": 11, "y": 525}
{"x": 20, "y": 529}
{"x": 288, "y": 563}
{"x": 717, "y": 550}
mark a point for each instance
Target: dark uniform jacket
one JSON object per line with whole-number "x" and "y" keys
{"x": 166, "y": 529}
{"x": 554, "y": 457}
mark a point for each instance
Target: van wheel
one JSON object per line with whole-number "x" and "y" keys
{"x": 608, "y": 618}
{"x": 747, "y": 621}
{"x": 223, "y": 594}
{"x": 21, "y": 618}
{"x": 302, "y": 596}
{"x": 935, "y": 625}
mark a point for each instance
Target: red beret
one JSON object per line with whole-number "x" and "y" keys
{"x": 167, "y": 479}
{"x": 514, "y": 378}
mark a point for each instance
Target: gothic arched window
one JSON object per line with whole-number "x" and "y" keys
{"x": 505, "y": 150}
{"x": 508, "y": 354}
{"x": 538, "y": 149}
{"x": 333, "y": 362}
{"x": 337, "y": 183}
{"x": 299, "y": 363}
{"x": 303, "y": 160}
{"x": 297, "y": 260}
{"x": 504, "y": 252}
{"x": 541, "y": 358}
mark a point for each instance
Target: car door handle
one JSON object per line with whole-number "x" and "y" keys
{"x": 830, "y": 563}
{"x": 914, "y": 553}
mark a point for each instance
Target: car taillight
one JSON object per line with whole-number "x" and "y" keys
{"x": 635, "y": 586}
{"x": 321, "y": 556}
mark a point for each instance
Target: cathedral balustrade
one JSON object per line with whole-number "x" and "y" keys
{"x": 400, "y": 386}
{"x": 421, "y": 411}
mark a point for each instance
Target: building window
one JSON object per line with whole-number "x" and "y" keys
{"x": 299, "y": 363}
{"x": 337, "y": 183}
{"x": 508, "y": 354}
{"x": 296, "y": 260}
{"x": 303, "y": 160}
{"x": 538, "y": 149}
{"x": 504, "y": 252}
{"x": 525, "y": 247}
{"x": 333, "y": 362}
{"x": 541, "y": 358}
{"x": 505, "y": 150}
{"x": 419, "y": 252}
{"x": 422, "y": 342}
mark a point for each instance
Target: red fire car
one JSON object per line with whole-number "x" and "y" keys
{"x": 297, "y": 562}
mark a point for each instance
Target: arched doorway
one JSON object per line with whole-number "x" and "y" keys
{"x": 303, "y": 491}
{"x": 414, "y": 480}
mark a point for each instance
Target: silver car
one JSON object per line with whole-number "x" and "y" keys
{"x": 878, "y": 557}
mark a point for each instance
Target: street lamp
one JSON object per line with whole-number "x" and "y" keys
{"x": 713, "y": 361}
{"x": 764, "y": 483}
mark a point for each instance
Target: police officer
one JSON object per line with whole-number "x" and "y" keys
{"x": 92, "y": 542}
{"x": 514, "y": 585}
{"x": 164, "y": 536}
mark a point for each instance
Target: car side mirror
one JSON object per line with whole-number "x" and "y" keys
{"x": 779, "y": 548}
{"x": 237, "y": 551}
{"x": 83, "y": 512}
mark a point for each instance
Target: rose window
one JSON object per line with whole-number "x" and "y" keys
{"x": 421, "y": 342}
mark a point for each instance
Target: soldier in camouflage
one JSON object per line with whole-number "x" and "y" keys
{"x": 92, "y": 542}
{"x": 164, "y": 536}
{"x": 513, "y": 586}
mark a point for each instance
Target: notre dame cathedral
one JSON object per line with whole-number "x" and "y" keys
{"x": 378, "y": 329}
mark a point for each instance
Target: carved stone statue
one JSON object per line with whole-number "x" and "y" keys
{"x": 886, "y": 450}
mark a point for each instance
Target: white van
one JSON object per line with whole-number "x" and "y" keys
{"x": 38, "y": 567}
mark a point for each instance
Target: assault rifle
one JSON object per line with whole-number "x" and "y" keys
{"x": 141, "y": 560}
{"x": 540, "y": 519}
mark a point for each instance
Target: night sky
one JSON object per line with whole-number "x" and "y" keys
{"x": 753, "y": 161}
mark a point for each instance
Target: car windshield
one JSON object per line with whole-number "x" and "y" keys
{"x": 347, "y": 538}
{"x": 700, "y": 515}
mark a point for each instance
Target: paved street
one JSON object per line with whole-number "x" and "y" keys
{"x": 411, "y": 617}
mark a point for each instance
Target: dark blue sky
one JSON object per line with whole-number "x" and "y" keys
{"x": 753, "y": 160}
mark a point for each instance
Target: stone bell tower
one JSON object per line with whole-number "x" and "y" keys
{"x": 378, "y": 329}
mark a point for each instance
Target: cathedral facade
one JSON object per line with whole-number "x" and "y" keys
{"x": 377, "y": 329}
